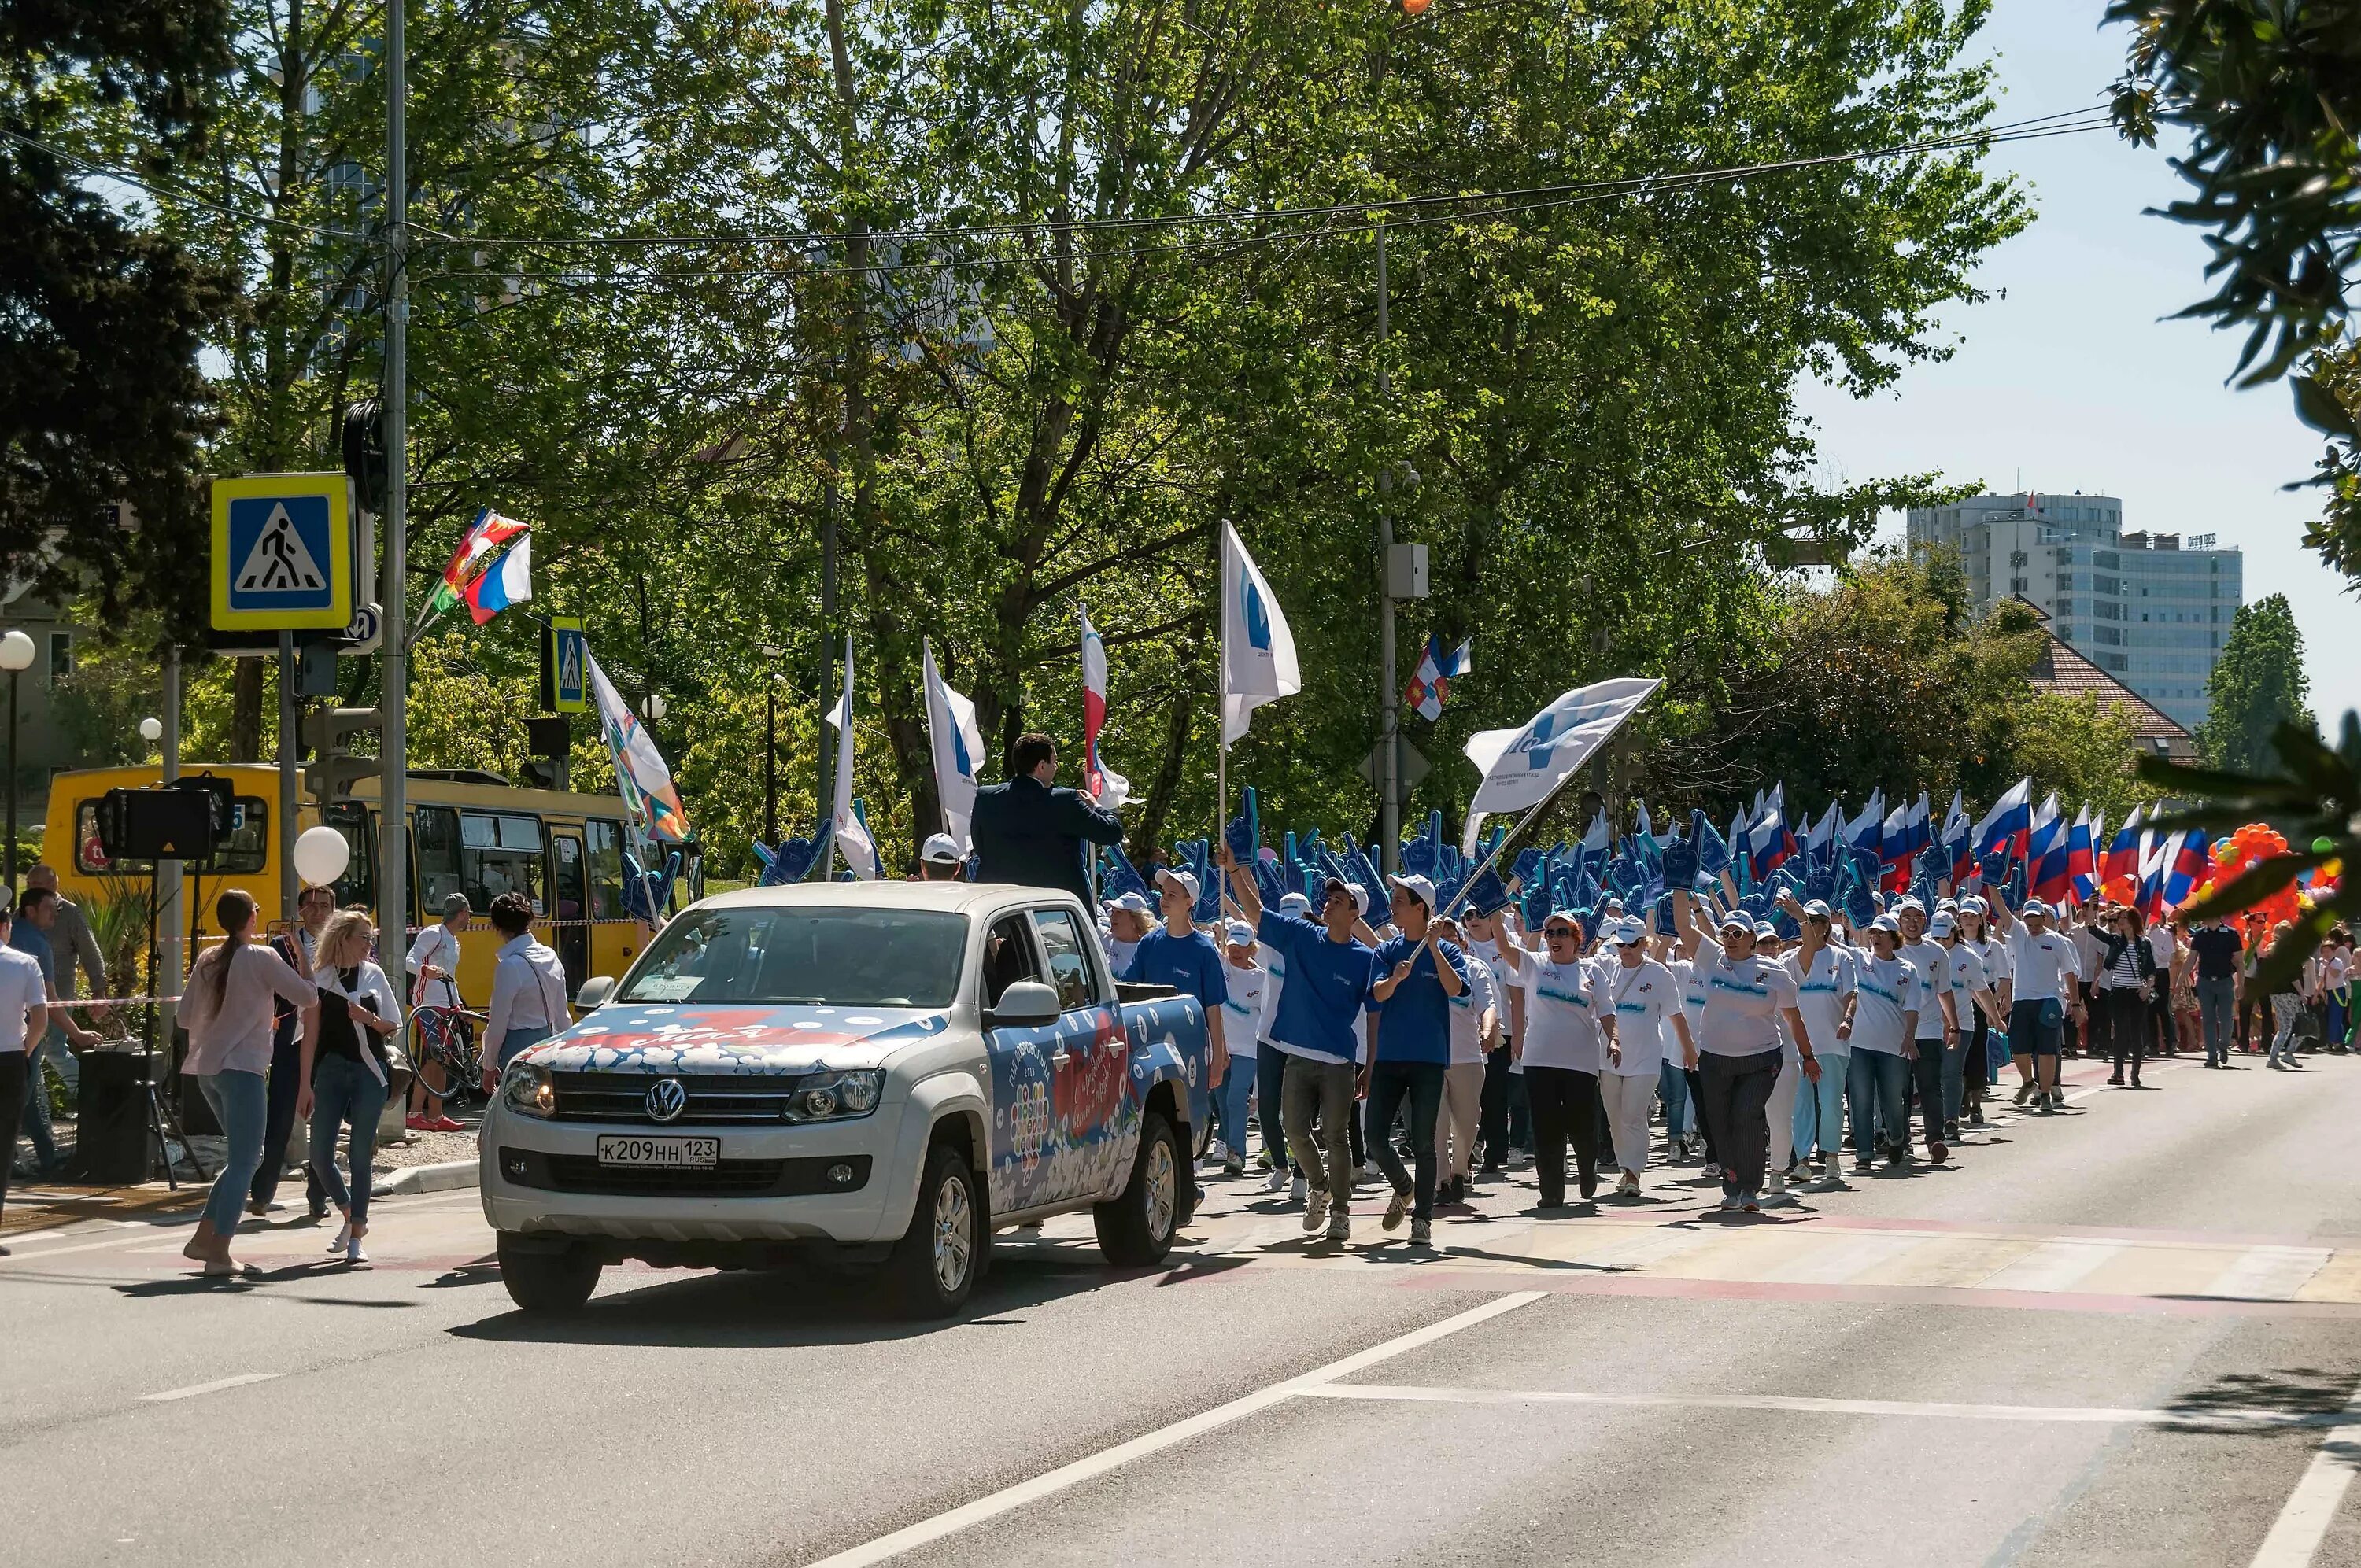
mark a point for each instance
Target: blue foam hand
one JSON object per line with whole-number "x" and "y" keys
{"x": 1663, "y": 925}
{"x": 1534, "y": 906}
{"x": 1860, "y": 905}
{"x": 1419, "y": 856}
{"x": 1365, "y": 873}
{"x": 1680, "y": 859}
{"x": 1713, "y": 851}
{"x": 1208, "y": 907}
{"x": 1995, "y": 867}
{"x": 1270, "y": 883}
{"x": 1527, "y": 867}
{"x": 1291, "y": 876}
{"x": 1240, "y": 838}
{"x": 1821, "y": 883}
{"x": 1785, "y": 923}
{"x": 1487, "y": 894}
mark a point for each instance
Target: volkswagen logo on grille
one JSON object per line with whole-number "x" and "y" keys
{"x": 666, "y": 1099}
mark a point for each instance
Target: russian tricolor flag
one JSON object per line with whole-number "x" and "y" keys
{"x": 2008, "y": 822}
{"x": 2053, "y": 877}
{"x": 1769, "y": 843}
{"x": 2082, "y": 854}
{"x": 2123, "y": 856}
{"x": 2191, "y": 858}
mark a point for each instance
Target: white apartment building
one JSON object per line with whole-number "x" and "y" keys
{"x": 2152, "y": 609}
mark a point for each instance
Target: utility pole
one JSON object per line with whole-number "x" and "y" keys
{"x": 1390, "y": 689}
{"x": 393, "y": 815}
{"x": 287, "y": 775}
{"x": 826, "y": 791}
{"x": 172, "y": 920}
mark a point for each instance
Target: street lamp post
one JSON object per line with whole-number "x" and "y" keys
{"x": 16, "y": 657}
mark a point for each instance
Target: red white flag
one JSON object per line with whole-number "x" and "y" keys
{"x": 1101, "y": 783}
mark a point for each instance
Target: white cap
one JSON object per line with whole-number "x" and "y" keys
{"x": 1943, "y": 923}
{"x": 1131, "y": 901}
{"x": 1294, "y": 903}
{"x": 1972, "y": 904}
{"x": 1417, "y": 886}
{"x": 1186, "y": 881}
{"x": 1627, "y": 934}
{"x": 1908, "y": 902}
{"x": 1887, "y": 923}
{"x": 2033, "y": 907}
{"x": 1239, "y": 933}
{"x": 941, "y": 850}
{"x": 1739, "y": 920}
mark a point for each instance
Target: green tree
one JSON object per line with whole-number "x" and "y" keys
{"x": 2259, "y": 685}
{"x": 102, "y": 401}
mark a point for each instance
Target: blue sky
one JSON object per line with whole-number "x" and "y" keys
{"x": 2070, "y": 378}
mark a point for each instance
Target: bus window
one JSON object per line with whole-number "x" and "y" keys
{"x": 436, "y": 829}
{"x": 606, "y": 868}
{"x": 500, "y": 854}
{"x": 247, "y": 850}
{"x": 358, "y": 885}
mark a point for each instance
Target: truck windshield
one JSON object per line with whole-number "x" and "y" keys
{"x": 835, "y": 958}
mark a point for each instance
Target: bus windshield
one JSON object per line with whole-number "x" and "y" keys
{"x": 820, "y": 957}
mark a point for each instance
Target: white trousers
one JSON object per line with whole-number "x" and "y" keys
{"x": 1454, "y": 1129}
{"x": 1628, "y": 1100}
{"x": 1782, "y": 1113}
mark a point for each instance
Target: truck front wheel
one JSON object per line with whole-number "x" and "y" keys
{"x": 935, "y": 1265}
{"x": 1135, "y": 1230}
{"x": 547, "y": 1282}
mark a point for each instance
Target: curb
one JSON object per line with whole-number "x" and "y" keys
{"x": 449, "y": 1177}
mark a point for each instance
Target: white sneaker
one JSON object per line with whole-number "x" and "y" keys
{"x": 1776, "y": 1187}
{"x": 1340, "y": 1226}
{"x": 1731, "y": 1203}
{"x": 344, "y": 1235}
{"x": 1397, "y": 1211}
{"x": 1218, "y": 1152}
{"x": 1369, "y": 1171}
{"x": 352, "y": 1252}
{"x": 1277, "y": 1181}
{"x": 1316, "y": 1210}
{"x": 1630, "y": 1186}
{"x": 1297, "y": 1190}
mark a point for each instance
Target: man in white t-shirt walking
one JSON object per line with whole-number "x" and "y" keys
{"x": 2043, "y": 990}
{"x": 1937, "y": 1026}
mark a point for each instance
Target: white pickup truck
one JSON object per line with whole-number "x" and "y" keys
{"x": 882, "y": 1074}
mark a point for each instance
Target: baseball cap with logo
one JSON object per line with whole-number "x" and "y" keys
{"x": 1185, "y": 881}
{"x": 1418, "y": 887}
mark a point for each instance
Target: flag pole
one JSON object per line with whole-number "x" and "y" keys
{"x": 1089, "y": 758}
{"x": 1507, "y": 838}
{"x": 1222, "y": 685}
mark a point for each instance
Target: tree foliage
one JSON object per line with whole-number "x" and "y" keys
{"x": 1025, "y": 300}
{"x": 102, "y": 402}
{"x": 2259, "y": 685}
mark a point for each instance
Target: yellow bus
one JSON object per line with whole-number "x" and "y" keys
{"x": 470, "y": 832}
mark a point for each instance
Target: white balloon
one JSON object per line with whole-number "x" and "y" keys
{"x": 322, "y": 855}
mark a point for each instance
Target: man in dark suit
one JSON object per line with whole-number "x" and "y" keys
{"x": 1029, "y": 832}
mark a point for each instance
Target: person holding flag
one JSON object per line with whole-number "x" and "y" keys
{"x": 1419, "y": 975}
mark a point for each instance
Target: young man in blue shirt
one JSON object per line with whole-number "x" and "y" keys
{"x": 1330, "y": 976}
{"x": 1409, "y": 1047}
{"x": 1179, "y": 955}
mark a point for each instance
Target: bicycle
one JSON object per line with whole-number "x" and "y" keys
{"x": 445, "y": 1037}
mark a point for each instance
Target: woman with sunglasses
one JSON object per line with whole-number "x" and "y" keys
{"x": 2126, "y": 978}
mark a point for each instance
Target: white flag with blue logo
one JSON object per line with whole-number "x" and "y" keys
{"x": 1522, "y": 766}
{"x": 957, "y": 744}
{"x": 852, "y": 840}
{"x": 1257, "y": 652}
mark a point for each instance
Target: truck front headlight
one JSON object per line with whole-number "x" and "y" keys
{"x": 836, "y": 1096}
{"x": 527, "y": 1089}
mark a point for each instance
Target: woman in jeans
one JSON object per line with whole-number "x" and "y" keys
{"x": 346, "y": 1070}
{"x": 226, "y": 1008}
{"x": 2126, "y": 978}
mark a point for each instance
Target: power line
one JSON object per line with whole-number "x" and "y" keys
{"x": 1298, "y": 224}
{"x": 2016, "y": 130}
{"x": 171, "y": 193}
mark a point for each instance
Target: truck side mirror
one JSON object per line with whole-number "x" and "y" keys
{"x": 595, "y": 989}
{"x": 1024, "y": 1004}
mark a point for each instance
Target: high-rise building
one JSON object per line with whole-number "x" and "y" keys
{"x": 2151, "y": 610}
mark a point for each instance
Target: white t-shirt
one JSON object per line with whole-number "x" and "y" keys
{"x": 1120, "y": 954}
{"x": 2040, "y": 964}
{"x": 21, "y": 991}
{"x": 1884, "y": 991}
{"x": 1934, "y": 967}
{"x": 1274, "y": 966}
{"x": 1643, "y": 999}
{"x": 1692, "y": 994}
{"x": 1467, "y": 1015}
{"x": 437, "y": 944}
{"x": 1242, "y": 1004}
{"x": 1740, "y": 1001}
{"x": 1561, "y": 1015}
{"x": 1968, "y": 977}
{"x": 2089, "y": 949}
{"x": 2161, "y": 943}
{"x": 1503, "y": 981}
{"x": 1993, "y": 955}
{"x": 1819, "y": 995}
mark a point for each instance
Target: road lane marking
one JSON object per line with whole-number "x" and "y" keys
{"x": 216, "y": 1387}
{"x": 2311, "y": 1507}
{"x": 2269, "y": 1272}
{"x": 2233, "y": 1418}
{"x": 2052, "y": 1266}
{"x": 925, "y": 1531}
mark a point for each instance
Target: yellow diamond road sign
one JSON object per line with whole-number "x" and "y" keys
{"x": 284, "y": 553}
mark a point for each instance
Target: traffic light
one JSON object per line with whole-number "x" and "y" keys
{"x": 365, "y": 462}
{"x": 327, "y": 733}
{"x": 548, "y": 742}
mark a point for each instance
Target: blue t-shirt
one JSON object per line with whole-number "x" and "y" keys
{"x": 1327, "y": 985}
{"x": 29, "y": 939}
{"x": 1416, "y": 1019}
{"x": 1190, "y": 965}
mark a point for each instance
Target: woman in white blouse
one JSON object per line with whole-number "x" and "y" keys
{"x": 346, "y": 1069}
{"x": 226, "y": 1008}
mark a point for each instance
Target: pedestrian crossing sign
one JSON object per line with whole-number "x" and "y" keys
{"x": 564, "y": 655}
{"x": 283, "y": 553}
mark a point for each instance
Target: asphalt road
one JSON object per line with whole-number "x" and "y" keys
{"x": 2125, "y": 1333}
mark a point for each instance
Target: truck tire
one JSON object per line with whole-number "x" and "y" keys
{"x": 1136, "y": 1231}
{"x": 546, "y": 1283}
{"x": 934, "y": 1268}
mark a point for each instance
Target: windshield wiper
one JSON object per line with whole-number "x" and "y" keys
{"x": 796, "y": 1000}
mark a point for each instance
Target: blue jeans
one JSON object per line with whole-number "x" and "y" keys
{"x": 516, "y": 1037}
{"x": 1672, "y": 1087}
{"x": 33, "y": 1122}
{"x": 1955, "y": 1075}
{"x": 1420, "y": 1082}
{"x": 1820, "y": 1107}
{"x": 1230, "y": 1098}
{"x": 345, "y": 1093}
{"x": 1877, "y": 1091}
{"x": 241, "y": 1103}
{"x": 2217, "y": 1008}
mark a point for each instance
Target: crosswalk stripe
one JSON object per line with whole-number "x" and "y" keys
{"x": 2269, "y": 1273}
{"x": 1839, "y": 1260}
{"x": 2052, "y": 1266}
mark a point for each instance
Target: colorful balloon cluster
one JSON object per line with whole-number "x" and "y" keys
{"x": 2238, "y": 853}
